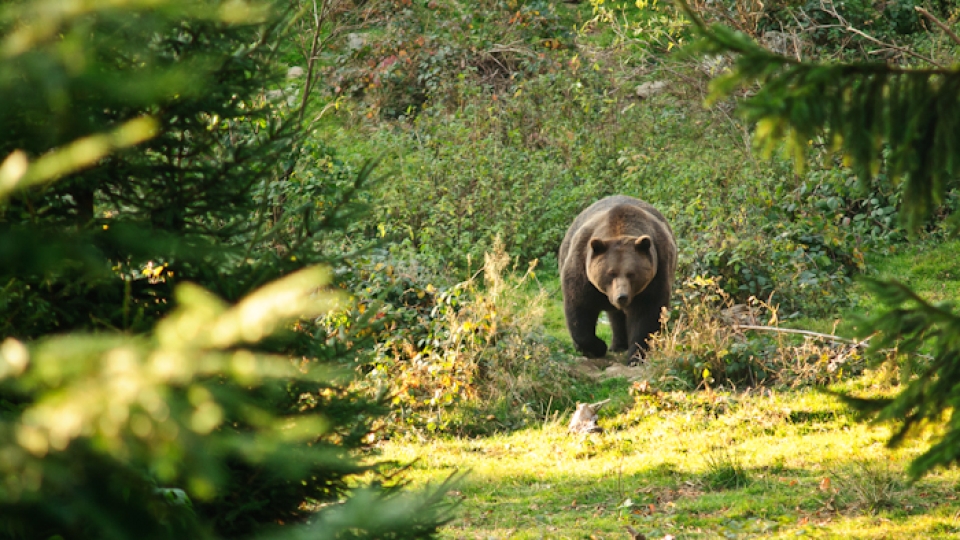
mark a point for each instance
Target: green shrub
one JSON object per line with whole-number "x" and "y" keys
{"x": 452, "y": 356}
{"x": 521, "y": 168}
{"x": 401, "y": 65}
{"x": 815, "y": 27}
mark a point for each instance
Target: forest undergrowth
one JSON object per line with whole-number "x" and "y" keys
{"x": 506, "y": 144}
{"x": 497, "y": 125}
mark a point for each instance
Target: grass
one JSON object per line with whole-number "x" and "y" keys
{"x": 657, "y": 473}
{"x": 553, "y": 319}
{"x": 931, "y": 268}
{"x": 725, "y": 470}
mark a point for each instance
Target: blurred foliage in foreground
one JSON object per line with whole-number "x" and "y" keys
{"x": 138, "y": 170}
{"x": 902, "y": 120}
{"x": 108, "y": 424}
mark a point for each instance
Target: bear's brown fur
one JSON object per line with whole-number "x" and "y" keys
{"x": 618, "y": 256}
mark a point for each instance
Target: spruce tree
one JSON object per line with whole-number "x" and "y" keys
{"x": 906, "y": 120}
{"x": 157, "y": 372}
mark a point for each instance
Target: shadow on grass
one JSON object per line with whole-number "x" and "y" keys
{"x": 665, "y": 497}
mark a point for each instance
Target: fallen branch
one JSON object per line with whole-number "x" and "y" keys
{"x": 894, "y": 47}
{"x": 939, "y": 23}
{"x": 831, "y": 337}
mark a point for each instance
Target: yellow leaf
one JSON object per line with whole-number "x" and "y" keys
{"x": 706, "y": 373}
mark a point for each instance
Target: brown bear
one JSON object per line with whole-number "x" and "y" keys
{"x": 618, "y": 256}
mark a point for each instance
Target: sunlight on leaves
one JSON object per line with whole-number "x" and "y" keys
{"x": 17, "y": 172}
{"x": 101, "y": 388}
{"x": 13, "y": 358}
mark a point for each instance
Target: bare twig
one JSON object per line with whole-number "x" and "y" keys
{"x": 497, "y": 48}
{"x": 831, "y": 337}
{"x": 894, "y": 47}
{"x": 939, "y": 23}
{"x": 827, "y": 6}
{"x": 319, "y": 16}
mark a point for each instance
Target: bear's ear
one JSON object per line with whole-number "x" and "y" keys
{"x": 598, "y": 246}
{"x": 643, "y": 243}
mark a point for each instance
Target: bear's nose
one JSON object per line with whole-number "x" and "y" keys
{"x": 622, "y": 300}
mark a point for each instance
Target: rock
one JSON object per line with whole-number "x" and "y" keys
{"x": 629, "y": 373}
{"x": 714, "y": 65}
{"x": 782, "y": 43}
{"x": 649, "y": 89}
{"x": 355, "y": 41}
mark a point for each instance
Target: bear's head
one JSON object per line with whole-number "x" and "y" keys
{"x": 621, "y": 267}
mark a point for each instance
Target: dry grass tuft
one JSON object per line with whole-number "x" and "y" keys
{"x": 478, "y": 361}
{"x": 712, "y": 341}
{"x": 871, "y": 484}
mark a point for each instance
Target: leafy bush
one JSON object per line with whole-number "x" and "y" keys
{"x": 642, "y": 26}
{"x": 515, "y": 168}
{"x": 888, "y": 21}
{"x": 412, "y": 58}
{"x": 523, "y": 181}
{"x": 785, "y": 246}
{"x": 452, "y": 356}
{"x": 520, "y": 160}
{"x": 816, "y": 28}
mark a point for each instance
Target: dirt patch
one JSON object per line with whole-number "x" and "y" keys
{"x": 602, "y": 369}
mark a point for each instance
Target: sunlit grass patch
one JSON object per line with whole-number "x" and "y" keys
{"x": 931, "y": 268}
{"x": 874, "y": 484}
{"x": 801, "y": 451}
{"x": 725, "y": 470}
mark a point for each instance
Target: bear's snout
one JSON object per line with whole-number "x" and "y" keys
{"x": 620, "y": 293}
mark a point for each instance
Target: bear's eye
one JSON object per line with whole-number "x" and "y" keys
{"x": 630, "y": 275}
{"x": 612, "y": 274}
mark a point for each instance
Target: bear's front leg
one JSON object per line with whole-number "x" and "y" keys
{"x": 582, "y": 324}
{"x": 618, "y": 325}
{"x": 641, "y": 324}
